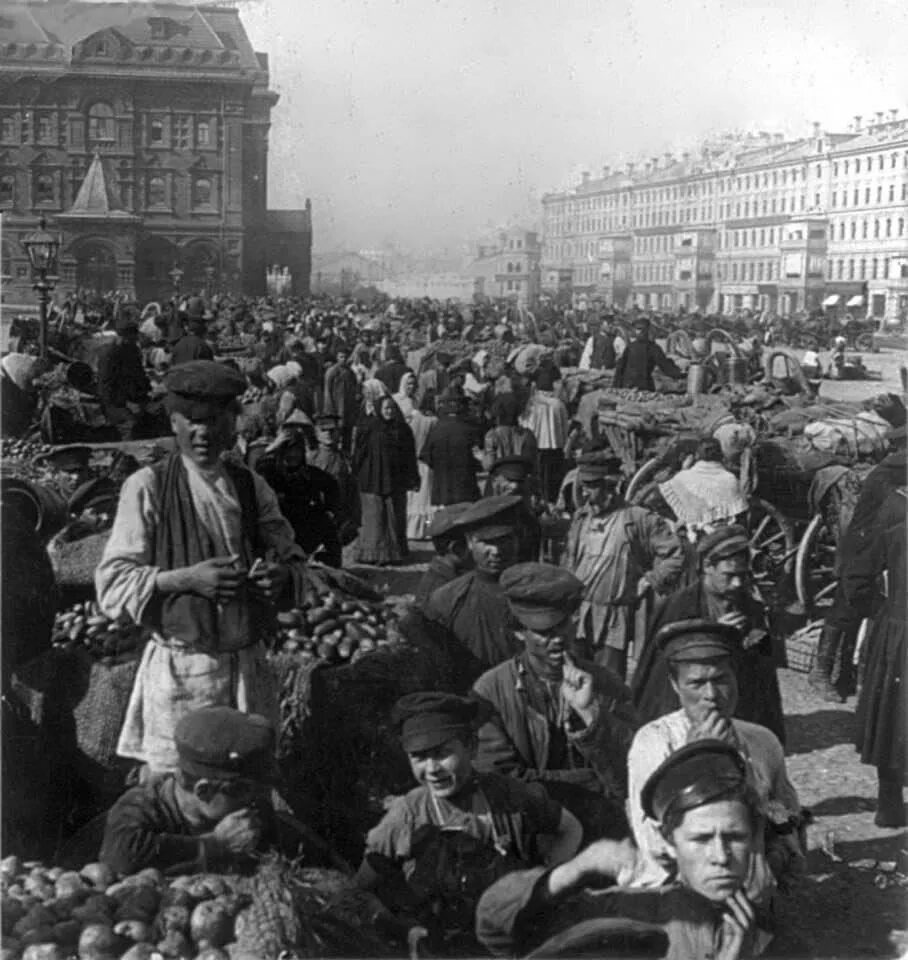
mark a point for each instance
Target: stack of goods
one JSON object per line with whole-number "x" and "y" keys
{"x": 237, "y": 344}
{"x": 281, "y": 910}
{"x": 84, "y": 626}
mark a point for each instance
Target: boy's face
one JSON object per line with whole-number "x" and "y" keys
{"x": 215, "y": 804}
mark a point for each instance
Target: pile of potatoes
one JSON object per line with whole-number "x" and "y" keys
{"x": 52, "y": 914}
{"x": 333, "y": 628}
{"x": 84, "y": 625}
{"x": 21, "y": 449}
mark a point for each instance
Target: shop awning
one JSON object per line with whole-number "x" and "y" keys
{"x": 832, "y": 300}
{"x": 857, "y": 301}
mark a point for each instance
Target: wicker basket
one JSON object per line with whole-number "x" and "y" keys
{"x": 801, "y": 647}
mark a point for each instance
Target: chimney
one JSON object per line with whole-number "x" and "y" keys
{"x": 648, "y": 166}
{"x": 893, "y": 116}
{"x": 857, "y": 123}
{"x": 668, "y": 159}
{"x": 816, "y": 128}
{"x": 629, "y": 167}
{"x": 606, "y": 170}
{"x": 655, "y": 163}
{"x": 879, "y": 116}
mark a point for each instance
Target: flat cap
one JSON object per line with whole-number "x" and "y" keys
{"x": 540, "y": 594}
{"x": 513, "y": 468}
{"x": 723, "y": 543}
{"x": 447, "y": 520}
{"x": 598, "y": 465}
{"x": 699, "y": 773}
{"x": 201, "y": 387}
{"x": 491, "y": 516}
{"x": 224, "y": 744}
{"x": 427, "y": 719}
{"x": 696, "y": 639}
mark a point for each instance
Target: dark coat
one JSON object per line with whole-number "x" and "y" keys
{"x": 384, "y": 458}
{"x": 759, "y": 699}
{"x": 634, "y": 368}
{"x": 190, "y": 347}
{"x": 121, "y": 375}
{"x": 448, "y": 451}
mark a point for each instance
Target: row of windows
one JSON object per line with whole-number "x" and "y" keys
{"x": 856, "y": 195}
{"x": 185, "y": 132}
{"x": 45, "y": 190}
{"x": 881, "y": 228}
{"x": 852, "y": 269}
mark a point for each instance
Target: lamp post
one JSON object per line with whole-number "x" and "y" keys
{"x": 42, "y": 249}
{"x": 176, "y": 275}
{"x": 209, "y": 280}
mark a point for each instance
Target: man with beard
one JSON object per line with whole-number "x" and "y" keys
{"x": 621, "y": 553}
{"x": 700, "y": 655}
{"x": 724, "y": 594}
{"x": 440, "y": 845}
{"x": 711, "y": 825}
{"x": 559, "y": 720}
{"x": 473, "y": 609}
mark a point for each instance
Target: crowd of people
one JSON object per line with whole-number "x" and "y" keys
{"x": 608, "y": 766}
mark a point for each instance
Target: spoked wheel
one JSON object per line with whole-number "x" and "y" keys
{"x": 815, "y": 567}
{"x": 640, "y": 479}
{"x": 772, "y": 544}
{"x": 864, "y": 342}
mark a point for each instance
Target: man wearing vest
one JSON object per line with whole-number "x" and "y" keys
{"x": 198, "y": 553}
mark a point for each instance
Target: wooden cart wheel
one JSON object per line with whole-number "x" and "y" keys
{"x": 864, "y": 342}
{"x": 815, "y": 567}
{"x": 640, "y": 478}
{"x": 772, "y": 543}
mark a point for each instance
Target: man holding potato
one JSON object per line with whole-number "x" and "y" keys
{"x": 199, "y": 551}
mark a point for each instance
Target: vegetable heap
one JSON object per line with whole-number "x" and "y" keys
{"x": 83, "y": 624}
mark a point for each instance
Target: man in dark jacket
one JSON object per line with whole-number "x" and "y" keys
{"x": 392, "y": 370}
{"x": 634, "y": 368}
{"x": 122, "y": 383}
{"x": 560, "y": 720}
{"x": 193, "y": 345}
{"x": 514, "y": 475}
{"x": 722, "y": 594}
{"x": 449, "y": 453}
{"x": 452, "y": 556}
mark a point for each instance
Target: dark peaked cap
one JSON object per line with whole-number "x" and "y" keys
{"x": 221, "y": 743}
{"x": 696, "y": 640}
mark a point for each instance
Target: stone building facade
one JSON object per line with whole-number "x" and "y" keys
{"x": 140, "y": 132}
{"x": 508, "y": 268}
{"x": 756, "y": 222}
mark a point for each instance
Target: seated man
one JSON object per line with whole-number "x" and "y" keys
{"x": 710, "y": 821}
{"x": 701, "y": 665}
{"x": 212, "y": 813}
{"x": 439, "y": 846}
{"x": 452, "y": 556}
{"x": 560, "y": 720}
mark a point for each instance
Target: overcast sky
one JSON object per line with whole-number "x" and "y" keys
{"x": 425, "y": 122}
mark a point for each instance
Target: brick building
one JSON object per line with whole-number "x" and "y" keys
{"x": 757, "y": 222}
{"x": 140, "y": 131}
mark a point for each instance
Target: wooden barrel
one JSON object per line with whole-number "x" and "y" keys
{"x": 45, "y": 507}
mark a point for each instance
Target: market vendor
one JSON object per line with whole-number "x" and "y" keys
{"x": 634, "y": 368}
{"x": 473, "y": 609}
{"x": 440, "y": 845}
{"x": 723, "y": 592}
{"x": 560, "y": 719}
{"x": 622, "y": 553}
{"x": 198, "y": 552}
{"x": 710, "y": 822}
{"x": 452, "y": 556}
{"x": 701, "y": 659}
{"x": 212, "y": 813}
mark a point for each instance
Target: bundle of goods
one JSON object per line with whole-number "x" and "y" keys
{"x": 83, "y": 625}
{"x": 253, "y": 395}
{"x": 463, "y": 349}
{"x": 282, "y": 910}
{"x": 236, "y": 344}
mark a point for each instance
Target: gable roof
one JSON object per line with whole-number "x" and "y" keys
{"x": 97, "y": 198}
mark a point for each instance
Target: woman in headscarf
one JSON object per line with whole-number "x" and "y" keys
{"x": 419, "y": 503}
{"x": 404, "y": 398}
{"x": 384, "y": 461}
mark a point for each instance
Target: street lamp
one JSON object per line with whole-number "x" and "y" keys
{"x": 176, "y": 275}
{"x": 209, "y": 280}
{"x": 42, "y": 249}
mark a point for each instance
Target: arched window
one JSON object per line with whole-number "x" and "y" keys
{"x": 44, "y": 188}
{"x": 100, "y": 123}
{"x": 7, "y": 188}
{"x": 157, "y": 192}
{"x": 201, "y": 192}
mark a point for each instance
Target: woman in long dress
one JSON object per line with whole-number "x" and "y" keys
{"x": 882, "y": 712}
{"x": 547, "y": 417}
{"x": 384, "y": 461}
{"x": 419, "y": 502}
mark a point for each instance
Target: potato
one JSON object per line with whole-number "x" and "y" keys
{"x": 63, "y": 906}
{"x": 176, "y": 946}
{"x": 98, "y": 942}
{"x": 138, "y": 931}
{"x": 98, "y": 875}
{"x": 11, "y": 912}
{"x": 208, "y": 886}
{"x": 150, "y": 875}
{"x": 11, "y": 949}
{"x": 38, "y": 916}
{"x": 173, "y": 918}
{"x": 140, "y": 903}
{"x": 16, "y": 891}
{"x": 44, "y": 951}
{"x": 211, "y": 924}
{"x": 98, "y": 908}
{"x": 68, "y": 883}
{"x": 11, "y": 866}
{"x": 177, "y": 897}
{"x": 38, "y": 935}
{"x": 140, "y": 951}
{"x": 55, "y": 873}
{"x": 67, "y": 932}
{"x": 212, "y": 953}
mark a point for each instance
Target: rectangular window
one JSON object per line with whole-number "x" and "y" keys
{"x": 7, "y": 128}
{"x": 156, "y": 130}
{"x": 45, "y": 129}
{"x": 181, "y": 133}
{"x": 7, "y": 189}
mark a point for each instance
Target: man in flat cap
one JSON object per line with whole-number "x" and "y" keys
{"x": 621, "y": 553}
{"x": 122, "y": 383}
{"x": 723, "y": 593}
{"x": 514, "y": 476}
{"x": 710, "y": 821}
{"x": 341, "y": 398}
{"x": 329, "y": 456}
{"x": 212, "y": 813}
{"x": 199, "y": 553}
{"x": 634, "y": 368}
{"x": 440, "y": 845}
{"x": 473, "y": 609}
{"x": 560, "y": 719}
{"x": 452, "y": 556}
{"x": 700, "y": 658}
{"x": 193, "y": 345}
